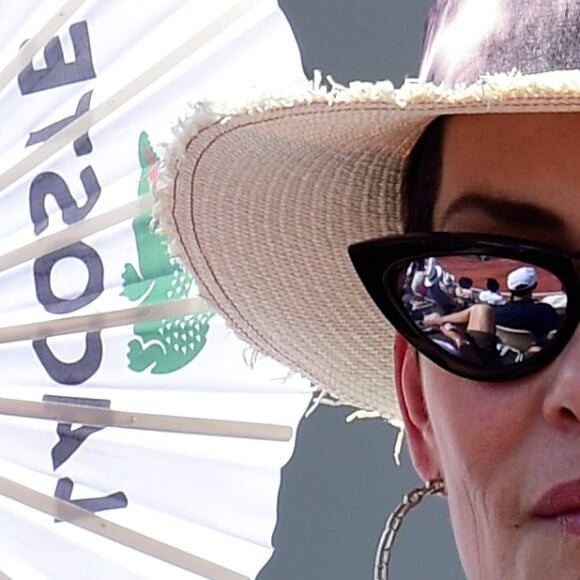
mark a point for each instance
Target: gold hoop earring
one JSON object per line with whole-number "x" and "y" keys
{"x": 395, "y": 520}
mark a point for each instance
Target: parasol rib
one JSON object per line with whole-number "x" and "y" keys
{"x": 37, "y": 42}
{"x": 102, "y": 417}
{"x": 77, "y": 516}
{"x": 76, "y": 232}
{"x": 89, "y": 119}
{"x": 101, "y": 320}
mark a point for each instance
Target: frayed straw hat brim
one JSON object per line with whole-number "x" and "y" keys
{"x": 261, "y": 201}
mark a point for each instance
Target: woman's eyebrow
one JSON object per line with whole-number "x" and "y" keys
{"x": 509, "y": 211}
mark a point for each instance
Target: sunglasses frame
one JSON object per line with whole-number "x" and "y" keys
{"x": 379, "y": 262}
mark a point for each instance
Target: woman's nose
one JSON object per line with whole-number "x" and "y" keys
{"x": 562, "y": 399}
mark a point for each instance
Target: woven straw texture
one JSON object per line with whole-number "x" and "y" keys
{"x": 261, "y": 201}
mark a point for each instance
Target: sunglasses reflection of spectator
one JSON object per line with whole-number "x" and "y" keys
{"x": 523, "y": 312}
{"x": 464, "y": 291}
{"x": 492, "y": 295}
{"x": 434, "y": 290}
{"x": 472, "y": 330}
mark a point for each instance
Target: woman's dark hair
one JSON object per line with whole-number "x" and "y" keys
{"x": 492, "y": 284}
{"x": 423, "y": 178}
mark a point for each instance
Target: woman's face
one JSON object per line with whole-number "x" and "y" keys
{"x": 502, "y": 447}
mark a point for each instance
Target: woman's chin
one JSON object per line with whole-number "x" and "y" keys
{"x": 542, "y": 548}
{"x": 552, "y": 549}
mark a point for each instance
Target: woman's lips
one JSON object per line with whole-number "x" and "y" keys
{"x": 561, "y": 504}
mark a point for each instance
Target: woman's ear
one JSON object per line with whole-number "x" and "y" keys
{"x": 418, "y": 427}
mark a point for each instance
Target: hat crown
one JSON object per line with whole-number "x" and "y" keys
{"x": 466, "y": 39}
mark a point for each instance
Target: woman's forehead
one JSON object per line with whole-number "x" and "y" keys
{"x": 493, "y": 134}
{"x": 519, "y": 169}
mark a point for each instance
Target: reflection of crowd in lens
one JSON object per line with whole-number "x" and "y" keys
{"x": 482, "y": 323}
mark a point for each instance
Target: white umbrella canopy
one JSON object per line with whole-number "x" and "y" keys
{"x": 141, "y": 438}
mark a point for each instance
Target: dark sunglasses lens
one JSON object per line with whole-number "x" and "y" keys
{"x": 487, "y": 311}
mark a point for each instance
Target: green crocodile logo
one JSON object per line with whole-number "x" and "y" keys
{"x": 167, "y": 345}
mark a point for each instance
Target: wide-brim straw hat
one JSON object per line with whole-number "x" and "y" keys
{"x": 261, "y": 200}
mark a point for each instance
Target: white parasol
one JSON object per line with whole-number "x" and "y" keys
{"x": 140, "y": 438}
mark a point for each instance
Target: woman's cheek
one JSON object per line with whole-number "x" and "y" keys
{"x": 478, "y": 428}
